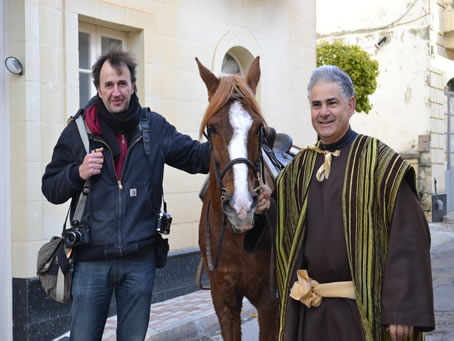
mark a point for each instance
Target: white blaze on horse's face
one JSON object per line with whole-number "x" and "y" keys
{"x": 241, "y": 122}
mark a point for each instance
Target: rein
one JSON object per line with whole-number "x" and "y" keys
{"x": 208, "y": 239}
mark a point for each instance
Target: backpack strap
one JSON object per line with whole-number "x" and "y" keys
{"x": 145, "y": 118}
{"x": 145, "y": 129}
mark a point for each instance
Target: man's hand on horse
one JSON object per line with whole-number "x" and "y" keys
{"x": 264, "y": 199}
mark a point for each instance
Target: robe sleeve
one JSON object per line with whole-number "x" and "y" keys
{"x": 407, "y": 294}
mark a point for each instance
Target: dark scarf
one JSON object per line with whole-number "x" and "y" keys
{"x": 348, "y": 138}
{"x": 121, "y": 123}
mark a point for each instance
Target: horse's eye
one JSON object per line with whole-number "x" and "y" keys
{"x": 211, "y": 130}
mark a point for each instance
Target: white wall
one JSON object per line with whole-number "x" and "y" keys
{"x": 165, "y": 36}
{"x": 348, "y": 15}
{"x": 6, "y": 325}
{"x": 401, "y": 103}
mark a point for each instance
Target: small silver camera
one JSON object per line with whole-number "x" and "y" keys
{"x": 164, "y": 222}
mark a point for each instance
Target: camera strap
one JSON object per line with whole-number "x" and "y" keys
{"x": 66, "y": 219}
{"x": 164, "y": 204}
{"x": 78, "y": 213}
{"x": 83, "y": 132}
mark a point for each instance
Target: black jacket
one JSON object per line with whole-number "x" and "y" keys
{"x": 122, "y": 213}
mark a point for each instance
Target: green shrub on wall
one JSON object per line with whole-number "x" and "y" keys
{"x": 357, "y": 64}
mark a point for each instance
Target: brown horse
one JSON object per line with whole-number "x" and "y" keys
{"x": 233, "y": 124}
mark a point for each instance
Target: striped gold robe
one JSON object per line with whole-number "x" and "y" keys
{"x": 372, "y": 178}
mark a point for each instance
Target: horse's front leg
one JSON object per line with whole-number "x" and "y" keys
{"x": 267, "y": 306}
{"x": 268, "y": 320}
{"x": 227, "y": 304}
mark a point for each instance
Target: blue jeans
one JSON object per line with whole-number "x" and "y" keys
{"x": 92, "y": 288}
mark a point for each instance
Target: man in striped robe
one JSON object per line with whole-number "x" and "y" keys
{"x": 348, "y": 214}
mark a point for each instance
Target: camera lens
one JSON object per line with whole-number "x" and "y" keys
{"x": 73, "y": 237}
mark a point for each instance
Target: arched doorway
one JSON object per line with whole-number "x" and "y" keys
{"x": 238, "y": 47}
{"x": 237, "y": 60}
{"x": 231, "y": 66}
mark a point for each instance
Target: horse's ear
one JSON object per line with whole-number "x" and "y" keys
{"x": 253, "y": 75}
{"x": 210, "y": 80}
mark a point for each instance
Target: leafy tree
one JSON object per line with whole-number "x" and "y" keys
{"x": 357, "y": 64}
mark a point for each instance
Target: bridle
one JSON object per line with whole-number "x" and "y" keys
{"x": 258, "y": 170}
{"x": 258, "y": 167}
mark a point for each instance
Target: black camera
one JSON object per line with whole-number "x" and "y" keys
{"x": 77, "y": 235}
{"x": 164, "y": 222}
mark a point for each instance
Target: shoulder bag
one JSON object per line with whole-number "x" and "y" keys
{"x": 55, "y": 263}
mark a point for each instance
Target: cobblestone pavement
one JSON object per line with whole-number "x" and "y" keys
{"x": 185, "y": 318}
{"x": 442, "y": 255}
{"x": 192, "y": 316}
{"x": 171, "y": 317}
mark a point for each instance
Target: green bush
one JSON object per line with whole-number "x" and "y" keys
{"x": 357, "y": 64}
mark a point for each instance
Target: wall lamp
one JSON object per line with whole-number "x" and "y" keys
{"x": 14, "y": 65}
{"x": 382, "y": 40}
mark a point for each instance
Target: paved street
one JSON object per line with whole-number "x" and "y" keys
{"x": 442, "y": 254}
{"x": 249, "y": 329}
{"x": 192, "y": 317}
{"x": 443, "y": 279}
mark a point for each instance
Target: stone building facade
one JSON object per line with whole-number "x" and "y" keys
{"x": 416, "y": 65}
{"x": 57, "y": 41}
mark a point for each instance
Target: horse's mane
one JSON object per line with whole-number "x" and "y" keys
{"x": 229, "y": 85}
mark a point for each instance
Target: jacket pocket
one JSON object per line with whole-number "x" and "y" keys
{"x": 104, "y": 201}
{"x": 140, "y": 213}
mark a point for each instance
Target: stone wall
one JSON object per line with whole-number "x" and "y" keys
{"x": 420, "y": 161}
{"x": 165, "y": 37}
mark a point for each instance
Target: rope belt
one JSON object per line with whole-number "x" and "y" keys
{"x": 310, "y": 292}
{"x": 325, "y": 168}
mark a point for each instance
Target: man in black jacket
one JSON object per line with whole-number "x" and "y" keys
{"x": 124, "y": 200}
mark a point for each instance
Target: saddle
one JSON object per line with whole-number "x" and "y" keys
{"x": 277, "y": 151}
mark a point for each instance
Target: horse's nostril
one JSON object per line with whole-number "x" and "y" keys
{"x": 226, "y": 207}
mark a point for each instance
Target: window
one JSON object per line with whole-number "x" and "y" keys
{"x": 230, "y": 65}
{"x": 84, "y": 68}
{"x": 94, "y": 41}
{"x": 451, "y": 85}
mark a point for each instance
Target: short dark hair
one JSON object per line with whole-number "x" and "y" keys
{"x": 116, "y": 57}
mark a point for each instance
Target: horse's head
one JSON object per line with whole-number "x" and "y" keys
{"x": 233, "y": 124}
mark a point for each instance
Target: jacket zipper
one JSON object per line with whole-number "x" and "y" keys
{"x": 120, "y": 185}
